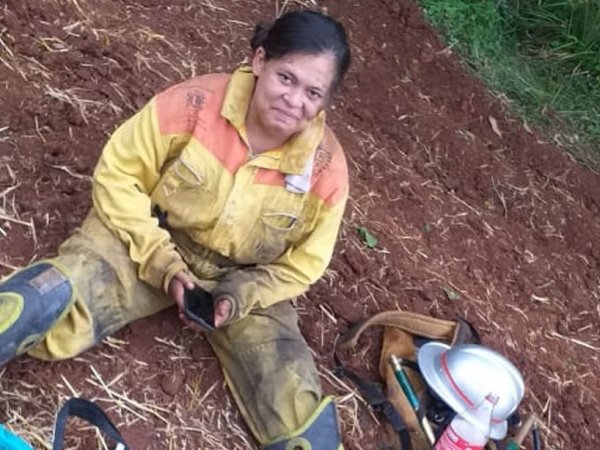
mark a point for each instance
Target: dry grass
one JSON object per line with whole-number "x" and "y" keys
{"x": 11, "y": 224}
{"x": 28, "y": 410}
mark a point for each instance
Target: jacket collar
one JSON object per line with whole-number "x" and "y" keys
{"x": 295, "y": 153}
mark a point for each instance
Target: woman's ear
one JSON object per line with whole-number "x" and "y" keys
{"x": 258, "y": 61}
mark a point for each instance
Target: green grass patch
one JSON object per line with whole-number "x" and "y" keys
{"x": 543, "y": 54}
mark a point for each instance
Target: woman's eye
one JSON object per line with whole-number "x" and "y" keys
{"x": 315, "y": 95}
{"x": 285, "y": 78}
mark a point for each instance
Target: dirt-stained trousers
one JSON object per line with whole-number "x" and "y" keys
{"x": 265, "y": 359}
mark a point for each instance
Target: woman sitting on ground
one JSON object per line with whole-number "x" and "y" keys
{"x": 228, "y": 182}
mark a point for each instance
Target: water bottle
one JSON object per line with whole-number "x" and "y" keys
{"x": 471, "y": 432}
{"x": 9, "y": 441}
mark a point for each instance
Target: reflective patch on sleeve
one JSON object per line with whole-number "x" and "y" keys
{"x": 48, "y": 280}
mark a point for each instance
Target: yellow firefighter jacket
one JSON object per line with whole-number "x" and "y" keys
{"x": 186, "y": 154}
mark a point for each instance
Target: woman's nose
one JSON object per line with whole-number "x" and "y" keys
{"x": 293, "y": 98}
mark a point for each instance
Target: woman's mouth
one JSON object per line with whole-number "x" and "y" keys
{"x": 286, "y": 116}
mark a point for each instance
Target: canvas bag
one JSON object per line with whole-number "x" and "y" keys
{"x": 402, "y": 332}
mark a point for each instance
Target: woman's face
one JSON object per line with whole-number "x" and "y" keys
{"x": 290, "y": 91}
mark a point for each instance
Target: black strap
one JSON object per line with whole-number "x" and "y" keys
{"x": 85, "y": 410}
{"x": 411, "y": 365}
{"x": 371, "y": 392}
{"x": 161, "y": 216}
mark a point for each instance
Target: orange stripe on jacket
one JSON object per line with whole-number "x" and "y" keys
{"x": 269, "y": 177}
{"x": 194, "y": 108}
{"x": 330, "y": 172}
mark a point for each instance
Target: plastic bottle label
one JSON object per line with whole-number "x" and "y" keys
{"x": 452, "y": 441}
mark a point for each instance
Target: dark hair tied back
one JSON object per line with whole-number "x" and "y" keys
{"x": 304, "y": 32}
{"x": 261, "y": 32}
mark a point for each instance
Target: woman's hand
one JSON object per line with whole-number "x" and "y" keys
{"x": 182, "y": 281}
{"x": 177, "y": 287}
{"x": 179, "y": 283}
{"x": 222, "y": 311}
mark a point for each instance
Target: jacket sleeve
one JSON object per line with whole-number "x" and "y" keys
{"x": 126, "y": 174}
{"x": 291, "y": 274}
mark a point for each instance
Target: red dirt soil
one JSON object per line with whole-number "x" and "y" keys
{"x": 476, "y": 215}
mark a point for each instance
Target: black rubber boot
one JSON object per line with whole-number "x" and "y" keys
{"x": 31, "y": 302}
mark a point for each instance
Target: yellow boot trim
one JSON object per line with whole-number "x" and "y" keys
{"x": 11, "y": 307}
{"x": 319, "y": 432}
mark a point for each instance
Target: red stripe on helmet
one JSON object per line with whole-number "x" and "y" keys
{"x": 453, "y": 383}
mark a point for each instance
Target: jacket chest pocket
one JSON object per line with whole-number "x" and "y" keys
{"x": 186, "y": 190}
{"x": 280, "y": 224}
{"x": 181, "y": 176}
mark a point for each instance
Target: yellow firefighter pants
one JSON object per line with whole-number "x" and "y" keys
{"x": 265, "y": 359}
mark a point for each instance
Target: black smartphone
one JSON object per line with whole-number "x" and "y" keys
{"x": 199, "y": 308}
